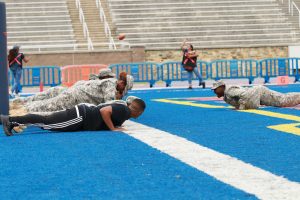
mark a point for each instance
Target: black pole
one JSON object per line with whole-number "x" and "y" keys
{"x": 4, "y": 98}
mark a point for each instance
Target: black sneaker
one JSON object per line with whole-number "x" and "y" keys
{"x": 7, "y": 125}
{"x": 190, "y": 87}
{"x": 203, "y": 85}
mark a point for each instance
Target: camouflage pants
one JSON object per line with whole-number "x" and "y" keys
{"x": 272, "y": 98}
{"x": 50, "y": 93}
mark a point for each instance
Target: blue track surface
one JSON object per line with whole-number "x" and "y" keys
{"x": 110, "y": 165}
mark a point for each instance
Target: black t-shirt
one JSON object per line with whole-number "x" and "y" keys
{"x": 92, "y": 119}
{"x": 192, "y": 62}
{"x": 15, "y": 64}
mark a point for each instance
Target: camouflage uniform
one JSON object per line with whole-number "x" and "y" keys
{"x": 251, "y": 98}
{"x": 55, "y": 91}
{"x": 50, "y": 93}
{"x": 93, "y": 92}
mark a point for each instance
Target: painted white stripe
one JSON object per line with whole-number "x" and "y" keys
{"x": 225, "y": 168}
{"x": 77, "y": 111}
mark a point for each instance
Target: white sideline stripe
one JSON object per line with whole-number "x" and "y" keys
{"x": 225, "y": 168}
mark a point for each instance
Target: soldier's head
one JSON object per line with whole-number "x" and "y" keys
{"x": 122, "y": 82}
{"x": 137, "y": 107}
{"x": 219, "y": 88}
{"x": 106, "y": 73}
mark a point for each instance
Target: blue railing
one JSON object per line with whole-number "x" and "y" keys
{"x": 229, "y": 69}
{"x": 173, "y": 71}
{"x": 141, "y": 72}
{"x": 279, "y": 67}
{"x": 34, "y": 76}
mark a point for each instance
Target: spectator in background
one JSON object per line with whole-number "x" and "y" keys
{"x": 189, "y": 63}
{"x": 15, "y": 60}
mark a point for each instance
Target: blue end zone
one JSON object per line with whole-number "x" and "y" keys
{"x": 99, "y": 165}
{"x": 241, "y": 135}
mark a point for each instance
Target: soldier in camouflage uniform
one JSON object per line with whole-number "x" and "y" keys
{"x": 251, "y": 98}
{"x": 55, "y": 91}
{"x": 93, "y": 91}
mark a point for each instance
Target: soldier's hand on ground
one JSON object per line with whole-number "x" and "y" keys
{"x": 119, "y": 129}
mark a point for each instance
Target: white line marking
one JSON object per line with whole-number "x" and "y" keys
{"x": 225, "y": 168}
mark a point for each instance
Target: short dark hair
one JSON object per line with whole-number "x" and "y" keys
{"x": 192, "y": 47}
{"x": 141, "y": 103}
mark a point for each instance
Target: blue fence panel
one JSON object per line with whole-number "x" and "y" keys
{"x": 141, "y": 72}
{"x": 173, "y": 71}
{"x": 231, "y": 69}
{"x": 274, "y": 67}
{"x": 33, "y": 76}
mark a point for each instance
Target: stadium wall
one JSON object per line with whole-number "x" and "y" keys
{"x": 256, "y": 53}
{"x": 135, "y": 54}
{"x": 139, "y": 54}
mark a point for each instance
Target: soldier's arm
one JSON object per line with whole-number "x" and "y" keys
{"x": 240, "y": 96}
{"x": 106, "y": 113}
{"x": 109, "y": 91}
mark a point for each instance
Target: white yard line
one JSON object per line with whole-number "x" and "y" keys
{"x": 224, "y": 168}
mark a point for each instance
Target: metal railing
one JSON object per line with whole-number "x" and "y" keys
{"x": 107, "y": 30}
{"x": 84, "y": 25}
{"x": 169, "y": 71}
{"x": 292, "y": 6}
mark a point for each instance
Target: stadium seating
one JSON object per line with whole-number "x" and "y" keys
{"x": 42, "y": 25}
{"x": 163, "y": 24}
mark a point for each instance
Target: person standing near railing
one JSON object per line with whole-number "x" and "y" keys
{"x": 15, "y": 61}
{"x": 189, "y": 63}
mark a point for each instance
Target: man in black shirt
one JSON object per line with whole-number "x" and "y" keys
{"x": 82, "y": 117}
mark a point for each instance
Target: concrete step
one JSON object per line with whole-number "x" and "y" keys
{"x": 37, "y": 14}
{"x": 23, "y": 3}
{"x": 66, "y": 22}
{"x": 65, "y": 27}
{"x": 182, "y": 1}
{"x": 215, "y": 8}
{"x": 199, "y": 23}
{"x": 33, "y": 9}
{"x": 43, "y": 42}
{"x": 195, "y": 13}
{"x": 202, "y": 32}
{"x": 40, "y": 37}
{"x": 37, "y": 18}
{"x": 214, "y": 38}
{"x": 267, "y": 16}
{"x": 118, "y": 5}
{"x": 41, "y": 33}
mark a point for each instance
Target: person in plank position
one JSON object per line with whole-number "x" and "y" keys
{"x": 82, "y": 117}
{"x": 243, "y": 98}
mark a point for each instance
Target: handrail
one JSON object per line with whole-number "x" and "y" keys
{"x": 294, "y": 5}
{"x": 86, "y": 33}
{"x": 106, "y": 25}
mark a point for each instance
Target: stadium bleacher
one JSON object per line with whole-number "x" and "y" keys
{"x": 38, "y": 25}
{"x": 164, "y": 24}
